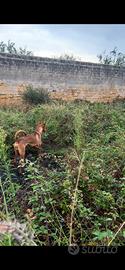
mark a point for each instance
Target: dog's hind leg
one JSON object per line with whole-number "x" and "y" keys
{"x": 21, "y": 150}
{"x": 16, "y": 155}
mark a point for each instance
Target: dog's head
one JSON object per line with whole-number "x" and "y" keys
{"x": 41, "y": 126}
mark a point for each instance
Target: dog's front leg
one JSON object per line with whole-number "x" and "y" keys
{"x": 39, "y": 149}
{"x": 21, "y": 165}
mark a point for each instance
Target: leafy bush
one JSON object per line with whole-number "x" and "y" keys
{"x": 35, "y": 96}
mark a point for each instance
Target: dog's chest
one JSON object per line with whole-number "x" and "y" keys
{"x": 38, "y": 139}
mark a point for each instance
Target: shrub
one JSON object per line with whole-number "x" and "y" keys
{"x": 35, "y": 96}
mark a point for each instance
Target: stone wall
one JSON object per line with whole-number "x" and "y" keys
{"x": 67, "y": 80}
{"x": 11, "y": 100}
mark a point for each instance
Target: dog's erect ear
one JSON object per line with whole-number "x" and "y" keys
{"x": 40, "y": 123}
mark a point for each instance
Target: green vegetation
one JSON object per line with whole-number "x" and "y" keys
{"x": 34, "y": 96}
{"x": 68, "y": 57}
{"x": 10, "y": 48}
{"x": 112, "y": 58}
{"x": 74, "y": 192}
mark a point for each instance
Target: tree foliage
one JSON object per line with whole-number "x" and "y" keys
{"x": 114, "y": 57}
{"x": 10, "y": 48}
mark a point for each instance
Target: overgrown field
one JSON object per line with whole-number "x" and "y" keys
{"x": 74, "y": 193}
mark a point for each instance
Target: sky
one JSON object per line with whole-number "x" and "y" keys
{"x": 85, "y": 41}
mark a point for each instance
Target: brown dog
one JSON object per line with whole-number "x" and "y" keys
{"x": 22, "y": 140}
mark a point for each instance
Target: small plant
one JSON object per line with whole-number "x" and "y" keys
{"x": 35, "y": 96}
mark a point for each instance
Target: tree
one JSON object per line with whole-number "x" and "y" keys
{"x": 11, "y": 49}
{"x": 113, "y": 58}
{"x": 24, "y": 52}
{"x": 2, "y": 47}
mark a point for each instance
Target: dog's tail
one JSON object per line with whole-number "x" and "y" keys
{"x": 19, "y": 133}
